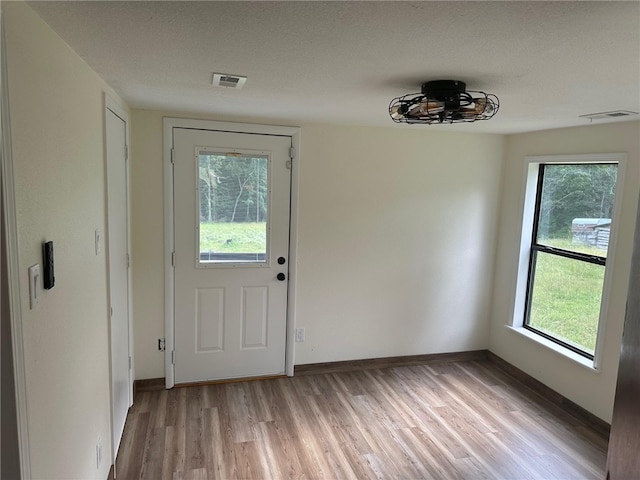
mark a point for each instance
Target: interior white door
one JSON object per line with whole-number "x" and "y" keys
{"x": 231, "y": 228}
{"x": 118, "y": 272}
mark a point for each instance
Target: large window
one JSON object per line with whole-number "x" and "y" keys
{"x": 570, "y": 233}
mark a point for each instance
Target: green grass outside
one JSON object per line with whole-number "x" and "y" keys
{"x": 233, "y": 237}
{"x": 566, "y": 296}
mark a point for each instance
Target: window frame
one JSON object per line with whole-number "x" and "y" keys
{"x": 537, "y": 248}
{"x": 521, "y": 298}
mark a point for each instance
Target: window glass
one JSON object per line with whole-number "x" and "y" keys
{"x": 576, "y": 206}
{"x": 233, "y": 203}
{"x": 565, "y": 301}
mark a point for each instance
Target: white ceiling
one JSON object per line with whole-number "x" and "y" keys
{"x": 342, "y": 62}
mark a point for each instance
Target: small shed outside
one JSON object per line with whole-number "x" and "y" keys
{"x": 591, "y": 231}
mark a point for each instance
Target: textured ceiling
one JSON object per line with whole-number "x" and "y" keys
{"x": 548, "y": 62}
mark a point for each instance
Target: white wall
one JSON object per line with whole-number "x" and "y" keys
{"x": 57, "y": 126}
{"x": 396, "y": 241}
{"x": 592, "y": 390}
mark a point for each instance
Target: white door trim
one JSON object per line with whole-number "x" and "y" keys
{"x": 112, "y": 106}
{"x": 169, "y": 244}
{"x": 13, "y": 264}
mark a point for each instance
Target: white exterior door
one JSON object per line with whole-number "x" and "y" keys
{"x": 118, "y": 240}
{"x": 231, "y": 233}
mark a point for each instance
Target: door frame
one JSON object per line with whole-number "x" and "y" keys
{"x": 8, "y": 190}
{"x": 110, "y": 105}
{"x": 169, "y": 123}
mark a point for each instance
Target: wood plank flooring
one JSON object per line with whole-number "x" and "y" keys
{"x": 463, "y": 420}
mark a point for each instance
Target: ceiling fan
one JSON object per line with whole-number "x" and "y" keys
{"x": 443, "y": 101}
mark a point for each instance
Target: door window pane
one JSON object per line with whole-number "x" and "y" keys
{"x": 576, "y": 206}
{"x": 565, "y": 301}
{"x": 233, "y": 208}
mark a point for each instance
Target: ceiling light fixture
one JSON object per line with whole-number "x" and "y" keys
{"x": 443, "y": 101}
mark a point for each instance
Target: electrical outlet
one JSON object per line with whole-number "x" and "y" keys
{"x": 161, "y": 344}
{"x": 299, "y": 334}
{"x": 98, "y": 453}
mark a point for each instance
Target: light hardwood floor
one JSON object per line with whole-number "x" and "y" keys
{"x": 463, "y": 420}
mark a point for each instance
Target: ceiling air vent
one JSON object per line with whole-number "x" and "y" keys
{"x": 229, "y": 81}
{"x": 607, "y": 115}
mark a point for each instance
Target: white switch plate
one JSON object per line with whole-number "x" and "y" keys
{"x": 34, "y": 285}
{"x": 98, "y": 238}
{"x": 299, "y": 334}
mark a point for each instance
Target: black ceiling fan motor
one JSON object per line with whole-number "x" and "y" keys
{"x": 441, "y": 89}
{"x": 447, "y": 91}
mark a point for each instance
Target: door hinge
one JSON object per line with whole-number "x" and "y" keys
{"x": 129, "y": 363}
{"x": 126, "y": 153}
{"x": 173, "y": 259}
{"x": 128, "y": 260}
{"x": 111, "y": 311}
{"x": 292, "y": 153}
{"x": 173, "y": 357}
{"x": 173, "y": 152}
